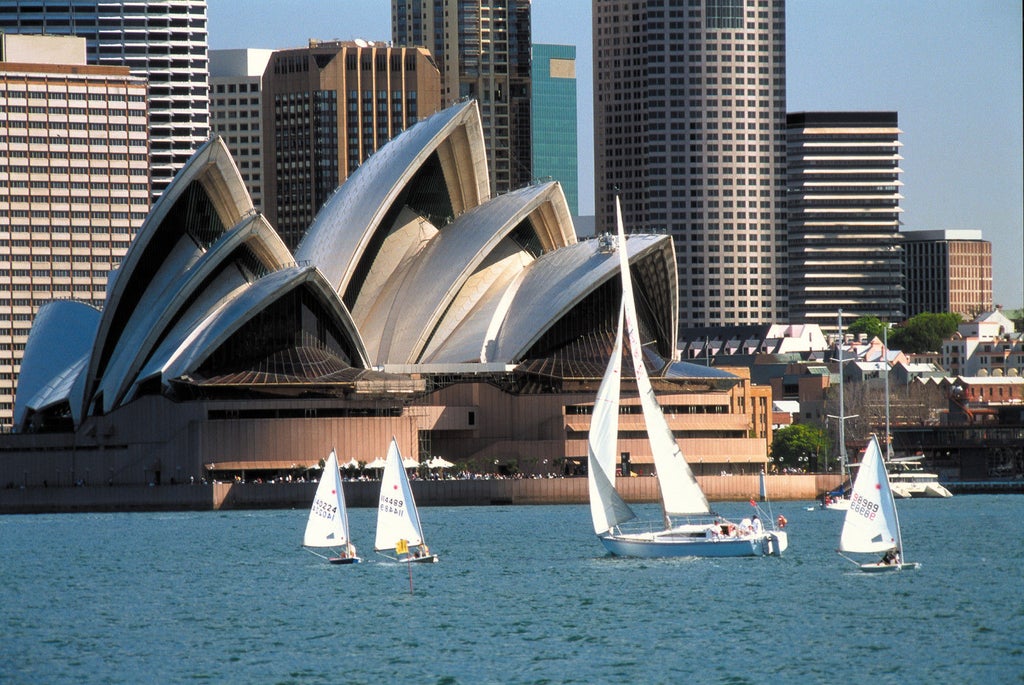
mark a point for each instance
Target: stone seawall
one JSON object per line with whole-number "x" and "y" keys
{"x": 364, "y": 494}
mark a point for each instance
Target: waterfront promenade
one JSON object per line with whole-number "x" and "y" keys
{"x": 462, "y": 492}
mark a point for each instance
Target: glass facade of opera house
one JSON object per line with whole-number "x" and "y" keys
{"x": 416, "y": 305}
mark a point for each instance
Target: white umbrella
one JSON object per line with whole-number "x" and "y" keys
{"x": 351, "y": 464}
{"x": 410, "y": 463}
{"x": 439, "y": 463}
{"x": 377, "y": 463}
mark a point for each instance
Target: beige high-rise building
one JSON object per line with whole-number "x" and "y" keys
{"x": 948, "y": 271}
{"x": 162, "y": 41}
{"x": 236, "y": 110}
{"x": 689, "y": 130}
{"x": 74, "y": 184}
{"x": 482, "y": 48}
{"x": 328, "y": 107}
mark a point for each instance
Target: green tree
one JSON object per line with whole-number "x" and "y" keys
{"x": 800, "y": 446}
{"x": 871, "y": 325}
{"x": 924, "y": 332}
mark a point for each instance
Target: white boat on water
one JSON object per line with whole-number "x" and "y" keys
{"x": 872, "y": 525}
{"x": 327, "y": 526}
{"x": 908, "y": 480}
{"x": 399, "y": 530}
{"x": 701, "y": 534}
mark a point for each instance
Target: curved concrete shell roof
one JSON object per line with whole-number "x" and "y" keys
{"x": 507, "y": 321}
{"x": 205, "y": 198}
{"x": 220, "y": 325}
{"x": 559, "y": 281}
{"x": 61, "y": 337}
{"x": 239, "y": 257}
{"x": 419, "y": 295}
{"x": 349, "y": 222}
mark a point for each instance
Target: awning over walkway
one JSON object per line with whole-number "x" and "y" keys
{"x": 262, "y": 465}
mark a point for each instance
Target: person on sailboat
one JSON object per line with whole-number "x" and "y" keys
{"x": 755, "y": 525}
{"x": 891, "y": 557}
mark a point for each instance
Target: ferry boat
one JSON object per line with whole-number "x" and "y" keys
{"x": 907, "y": 479}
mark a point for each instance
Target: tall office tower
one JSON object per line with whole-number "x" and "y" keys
{"x": 163, "y": 41}
{"x": 74, "y": 183}
{"x": 689, "y": 131}
{"x": 844, "y": 215}
{"x": 328, "y": 107}
{"x": 555, "y": 150}
{"x": 948, "y": 271}
{"x": 236, "y": 110}
{"x": 482, "y": 48}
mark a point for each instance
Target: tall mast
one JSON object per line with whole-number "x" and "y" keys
{"x": 885, "y": 360}
{"x": 842, "y": 412}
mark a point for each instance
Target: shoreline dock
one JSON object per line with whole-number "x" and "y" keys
{"x": 429, "y": 493}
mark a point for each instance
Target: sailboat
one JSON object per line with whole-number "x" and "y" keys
{"x": 327, "y": 527}
{"x": 703, "y": 534}
{"x": 398, "y": 522}
{"x": 872, "y": 525}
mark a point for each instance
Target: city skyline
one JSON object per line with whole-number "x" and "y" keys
{"x": 907, "y": 57}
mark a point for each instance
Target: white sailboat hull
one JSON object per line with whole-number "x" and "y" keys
{"x": 889, "y": 568}
{"x": 428, "y": 559}
{"x": 345, "y": 560}
{"x": 679, "y": 544}
{"x": 839, "y": 504}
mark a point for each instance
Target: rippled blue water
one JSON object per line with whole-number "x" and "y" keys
{"x": 521, "y": 595}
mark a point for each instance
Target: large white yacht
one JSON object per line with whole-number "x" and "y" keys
{"x": 907, "y": 479}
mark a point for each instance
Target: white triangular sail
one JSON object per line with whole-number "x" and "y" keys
{"x": 397, "y": 518}
{"x": 680, "y": 492}
{"x": 607, "y": 508}
{"x": 871, "y": 523}
{"x": 328, "y": 520}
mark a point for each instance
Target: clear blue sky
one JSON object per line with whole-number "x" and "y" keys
{"x": 950, "y": 68}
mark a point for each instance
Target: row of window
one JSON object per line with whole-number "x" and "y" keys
{"x": 92, "y": 214}
{"x": 55, "y": 95}
{"x": 90, "y": 170}
{"x": 253, "y": 87}
{"x": 49, "y": 273}
{"x": 75, "y": 185}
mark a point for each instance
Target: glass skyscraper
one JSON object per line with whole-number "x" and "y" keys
{"x": 553, "y": 112}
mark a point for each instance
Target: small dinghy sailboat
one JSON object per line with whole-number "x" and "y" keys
{"x": 327, "y": 527}
{"x": 872, "y": 525}
{"x": 398, "y": 521}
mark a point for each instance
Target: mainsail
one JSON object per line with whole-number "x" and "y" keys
{"x": 871, "y": 523}
{"x": 680, "y": 492}
{"x": 397, "y": 518}
{"x": 328, "y": 520}
{"x": 607, "y": 508}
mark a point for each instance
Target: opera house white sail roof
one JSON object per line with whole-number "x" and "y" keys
{"x": 409, "y": 262}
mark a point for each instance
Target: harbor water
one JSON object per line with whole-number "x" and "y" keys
{"x": 521, "y": 595}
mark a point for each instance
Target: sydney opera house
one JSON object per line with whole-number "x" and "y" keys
{"x": 470, "y": 327}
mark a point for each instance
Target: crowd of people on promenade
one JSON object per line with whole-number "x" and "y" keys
{"x": 375, "y": 474}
